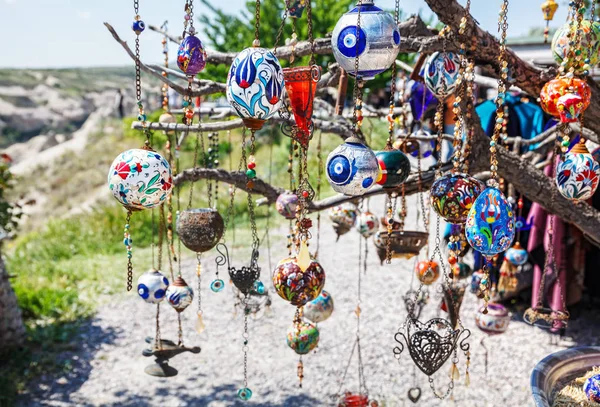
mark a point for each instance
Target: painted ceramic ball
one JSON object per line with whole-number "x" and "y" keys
{"x": 461, "y": 270}
{"x": 140, "y": 179}
{"x": 352, "y": 168}
{"x": 490, "y": 226}
{"x": 517, "y": 255}
{"x": 319, "y": 309}
{"x": 495, "y": 321}
{"x": 577, "y": 174}
{"x": 152, "y": 286}
{"x": 376, "y": 43}
{"x": 344, "y": 215}
{"x": 556, "y": 88}
{"x": 427, "y": 272}
{"x": 570, "y": 107}
{"x": 476, "y": 278}
{"x": 441, "y": 72}
{"x": 453, "y": 194}
{"x": 590, "y": 44}
{"x": 394, "y": 168}
{"x": 200, "y": 229}
{"x": 179, "y": 294}
{"x": 367, "y": 224}
{"x": 303, "y": 338}
{"x": 191, "y": 56}
{"x": 286, "y": 205}
{"x": 591, "y": 388}
{"x": 255, "y": 86}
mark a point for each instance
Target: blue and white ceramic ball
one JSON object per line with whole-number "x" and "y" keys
{"x": 179, "y": 294}
{"x": 441, "y": 73}
{"x": 319, "y": 309}
{"x": 152, "y": 286}
{"x": 376, "y": 44}
{"x": 352, "y": 168}
{"x": 591, "y": 388}
{"x": 517, "y": 255}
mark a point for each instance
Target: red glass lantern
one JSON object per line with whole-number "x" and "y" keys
{"x": 301, "y": 86}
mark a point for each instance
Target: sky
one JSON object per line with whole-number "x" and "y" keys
{"x": 70, "y": 33}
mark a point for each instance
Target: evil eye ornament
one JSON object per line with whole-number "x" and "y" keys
{"x": 441, "y": 72}
{"x": 452, "y": 196}
{"x": 577, "y": 174}
{"x": 217, "y": 286}
{"x": 191, "y": 56}
{"x": 138, "y": 26}
{"x": 319, "y": 309}
{"x": 490, "y": 225}
{"x": 376, "y": 42}
{"x": 591, "y": 388}
{"x": 352, "y": 168}
{"x": 152, "y": 286}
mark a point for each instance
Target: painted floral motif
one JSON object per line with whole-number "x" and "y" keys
{"x": 319, "y": 309}
{"x": 590, "y": 43}
{"x": 495, "y": 321}
{"x": 577, "y": 176}
{"x": 591, "y": 388}
{"x": 303, "y": 338}
{"x": 556, "y": 88}
{"x": 441, "y": 72}
{"x": 367, "y": 224}
{"x": 140, "y": 179}
{"x": 490, "y": 225}
{"x": 570, "y": 107}
{"x": 191, "y": 56}
{"x": 453, "y": 194}
{"x": 286, "y": 205}
{"x": 295, "y": 285}
{"x": 352, "y": 168}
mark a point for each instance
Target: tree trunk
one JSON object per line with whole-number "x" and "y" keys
{"x": 12, "y": 329}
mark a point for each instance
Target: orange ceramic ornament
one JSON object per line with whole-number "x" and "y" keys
{"x": 556, "y": 88}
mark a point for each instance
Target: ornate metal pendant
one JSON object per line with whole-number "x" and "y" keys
{"x": 243, "y": 278}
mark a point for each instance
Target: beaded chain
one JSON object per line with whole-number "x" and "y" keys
{"x": 188, "y": 105}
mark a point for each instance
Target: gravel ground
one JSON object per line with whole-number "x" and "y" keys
{"x": 108, "y": 367}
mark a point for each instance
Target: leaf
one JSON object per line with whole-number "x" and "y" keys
{"x": 154, "y": 179}
{"x": 151, "y": 191}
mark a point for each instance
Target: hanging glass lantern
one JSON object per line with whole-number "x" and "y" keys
{"x": 303, "y": 337}
{"x": 376, "y": 44}
{"x": 319, "y": 309}
{"x": 299, "y": 279}
{"x": 191, "y": 56}
{"x": 577, "y": 174}
{"x": 179, "y": 294}
{"x": 427, "y": 272}
{"x": 441, "y": 72}
{"x": 152, "y": 286}
{"x": 140, "y": 179}
{"x": 352, "y": 168}
{"x": 200, "y": 229}
{"x": 590, "y": 46}
{"x": 517, "y": 255}
{"x": 494, "y": 321}
{"x": 490, "y": 225}
{"x": 287, "y": 204}
{"x": 255, "y": 86}
{"x": 556, "y": 88}
{"x": 343, "y": 218}
{"x": 453, "y": 194}
{"x": 367, "y": 224}
{"x": 301, "y": 86}
{"x": 394, "y": 167}
{"x": 591, "y": 388}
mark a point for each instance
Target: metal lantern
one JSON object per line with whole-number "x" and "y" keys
{"x": 427, "y": 272}
{"x": 140, "y": 179}
{"x": 403, "y": 244}
{"x": 319, "y": 309}
{"x": 441, "y": 73}
{"x": 555, "y": 89}
{"x": 299, "y": 279}
{"x": 591, "y": 388}
{"x": 200, "y": 229}
{"x": 394, "y": 167}
{"x": 590, "y": 45}
{"x": 494, "y": 321}
{"x": 255, "y": 86}
{"x": 577, "y": 174}
{"x": 152, "y": 286}
{"x": 287, "y": 204}
{"x": 352, "y": 168}
{"x": 517, "y": 255}
{"x": 490, "y": 225}
{"x": 343, "y": 217}
{"x": 367, "y": 224}
{"x": 179, "y": 294}
{"x": 303, "y": 337}
{"x": 376, "y": 44}
{"x": 453, "y": 194}
{"x": 191, "y": 56}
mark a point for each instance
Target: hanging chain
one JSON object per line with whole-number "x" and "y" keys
{"x": 246, "y": 336}
{"x": 157, "y": 341}
{"x": 199, "y": 144}
{"x": 188, "y": 19}
{"x": 318, "y": 194}
{"x": 138, "y": 27}
{"x": 390, "y": 116}
{"x": 128, "y": 242}
{"x": 256, "y": 42}
{"x": 311, "y": 39}
{"x": 357, "y": 116}
{"x": 165, "y": 88}
{"x": 280, "y": 30}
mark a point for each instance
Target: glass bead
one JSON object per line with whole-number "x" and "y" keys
{"x": 200, "y": 327}
{"x": 251, "y": 173}
{"x": 259, "y": 287}
{"x": 217, "y": 285}
{"x": 138, "y": 26}
{"x": 244, "y": 394}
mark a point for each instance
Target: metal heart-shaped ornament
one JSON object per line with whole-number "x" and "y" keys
{"x": 414, "y": 394}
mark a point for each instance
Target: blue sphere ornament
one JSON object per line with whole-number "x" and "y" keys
{"x": 152, "y": 286}
{"x": 319, "y": 309}
{"x": 490, "y": 225}
{"x": 179, "y": 294}
{"x": 376, "y": 42}
{"x": 255, "y": 86}
{"x": 441, "y": 72}
{"x": 244, "y": 394}
{"x": 352, "y": 168}
{"x": 591, "y": 388}
{"x": 138, "y": 26}
{"x": 517, "y": 255}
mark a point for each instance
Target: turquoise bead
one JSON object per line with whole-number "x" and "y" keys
{"x": 217, "y": 285}
{"x": 259, "y": 287}
{"x": 244, "y": 394}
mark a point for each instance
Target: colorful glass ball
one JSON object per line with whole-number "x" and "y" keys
{"x": 495, "y": 321}
{"x": 476, "y": 278}
{"x": 590, "y": 44}
{"x": 191, "y": 56}
{"x": 296, "y": 283}
{"x": 303, "y": 337}
{"x": 352, "y": 168}
{"x": 517, "y": 255}
{"x": 319, "y": 309}
{"x": 556, "y": 88}
{"x": 461, "y": 270}
{"x": 286, "y": 205}
{"x": 152, "y": 286}
{"x": 179, "y": 294}
{"x": 367, "y": 224}
{"x": 255, "y": 86}
{"x": 591, "y": 388}
{"x": 427, "y": 272}
{"x": 140, "y": 179}
{"x": 394, "y": 168}
{"x": 577, "y": 174}
{"x": 376, "y": 43}
{"x": 343, "y": 217}
{"x": 200, "y": 229}
{"x": 490, "y": 225}
{"x": 453, "y": 194}
{"x": 441, "y": 73}
{"x": 138, "y": 26}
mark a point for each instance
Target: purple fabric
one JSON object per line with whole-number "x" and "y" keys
{"x": 416, "y": 99}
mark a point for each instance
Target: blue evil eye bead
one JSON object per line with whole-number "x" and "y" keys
{"x": 138, "y": 26}
{"x": 340, "y": 170}
{"x": 244, "y": 394}
{"x": 217, "y": 285}
{"x": 152, "y": 286}
{"x": 591, "y": 388}
{"x": 352, "y": 41}
{"x": 259, "y": 287}
{"x": 352, "y": 168}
